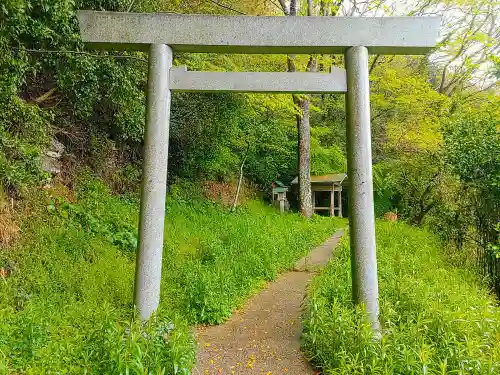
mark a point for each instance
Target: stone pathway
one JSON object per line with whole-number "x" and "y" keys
{"x": 264, "y": 337}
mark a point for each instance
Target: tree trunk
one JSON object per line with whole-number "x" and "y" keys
{"x": 304, "y": 150}
{"x": 304, "y": 135}
{"x": 240, "y": 180}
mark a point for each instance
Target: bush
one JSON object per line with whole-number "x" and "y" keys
{"x": 23, "y": 133}
{"x": 325, "y": 160}
{"x": 436, "y": 318}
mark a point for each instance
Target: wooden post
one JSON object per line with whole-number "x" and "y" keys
{"x": 332, "y": 201}
{"x": 340, "y": 201}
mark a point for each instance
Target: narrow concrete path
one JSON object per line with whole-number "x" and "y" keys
{"x": 264, "y": 336}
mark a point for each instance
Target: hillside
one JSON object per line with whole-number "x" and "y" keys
{"x": 66, "y": 302}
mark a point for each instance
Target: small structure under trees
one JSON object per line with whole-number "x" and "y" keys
{"x": 330, "y": 184}
{"x": 279, "y": 190}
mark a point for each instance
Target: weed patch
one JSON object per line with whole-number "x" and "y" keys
{"x": 436, "y": 318}
{"x": 67, "y": 305}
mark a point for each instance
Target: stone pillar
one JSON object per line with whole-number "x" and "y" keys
{"x": 359, "y": 162}
{"x": 154, "y": 183}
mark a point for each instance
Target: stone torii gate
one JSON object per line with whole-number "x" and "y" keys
{"x": 162, "y": 34}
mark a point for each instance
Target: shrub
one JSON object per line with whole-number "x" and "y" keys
{"x": 23, "y": 133}
{"x": 436, "y": 319}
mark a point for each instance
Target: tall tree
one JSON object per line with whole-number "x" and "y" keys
{"x": 303, "y": 125}
{"x": 470, "y": 46}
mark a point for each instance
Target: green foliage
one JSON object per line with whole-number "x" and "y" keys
{"x": 117, "y": 232}
{"x": 407, "y": 111}
{"x": 157, "y": 347}
{"x": 23, "y": 132}
{"x": 202, "y": 127}
{"x": 383, "y": 189}
{"x": 381, "y": 205}
{"x": 19, "y": 161}
{"x": 81, "y": 98}
{"x": 325, "y": 160}
{"x": 413, "y": 183}
{"x": 436, "y": 318}
{"x": 230, "y": 255}
{"x": 66, "y": 307}
{"x": 45, "y": 91}
{"x": 67, "y": 304}
{"x": 472, "y": 145}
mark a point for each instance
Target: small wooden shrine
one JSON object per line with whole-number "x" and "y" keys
{"x": 329, "y": 185}
{"x": 279, "y": 190}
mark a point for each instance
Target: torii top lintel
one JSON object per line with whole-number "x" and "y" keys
{"x": 252, "y": 34}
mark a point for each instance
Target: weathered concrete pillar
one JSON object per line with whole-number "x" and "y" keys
{"x": 359, "y": 162}
{"x": 154, "y": 183}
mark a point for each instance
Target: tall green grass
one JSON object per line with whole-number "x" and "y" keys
{"x": 67, "y": 305}
{"x": 436, "y": 318}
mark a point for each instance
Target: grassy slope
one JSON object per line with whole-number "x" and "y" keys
{"x": 67, "y": 305}
{"x": 437, "y": 318}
